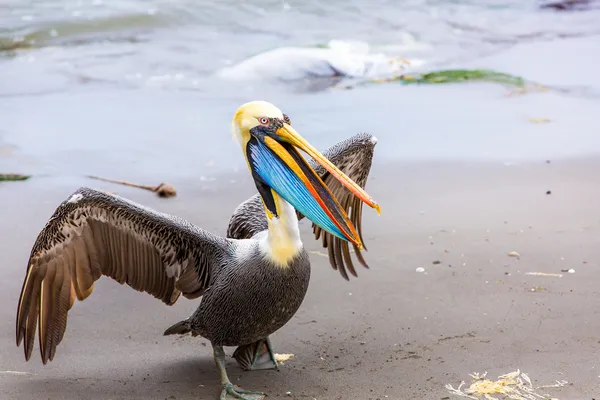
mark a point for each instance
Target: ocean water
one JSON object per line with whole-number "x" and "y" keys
{"x": 131, "y": 89}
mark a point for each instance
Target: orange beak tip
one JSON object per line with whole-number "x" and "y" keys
{"x": 376, "y": 207}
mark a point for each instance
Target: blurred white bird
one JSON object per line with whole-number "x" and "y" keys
{"x": 338, "y": 59}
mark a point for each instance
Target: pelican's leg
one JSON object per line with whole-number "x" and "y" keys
{"x": 256, "y": 356}
{"x": 271, "y": 354}
{"x": 230, "y": 391}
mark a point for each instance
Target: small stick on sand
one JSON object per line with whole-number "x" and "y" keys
{"x": 163, "y": 189}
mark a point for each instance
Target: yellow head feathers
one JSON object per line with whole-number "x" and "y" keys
{"x": 248, "y": 116}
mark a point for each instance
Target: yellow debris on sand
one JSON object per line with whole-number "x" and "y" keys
{"x": 539, "y": 120}
{"x": 283, "y": 357}
{"x": 513, "y": 386}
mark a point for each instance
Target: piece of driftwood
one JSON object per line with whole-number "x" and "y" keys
{"x": 162, "y": 190}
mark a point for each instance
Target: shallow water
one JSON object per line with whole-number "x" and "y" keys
{"x": 127, "y": 88}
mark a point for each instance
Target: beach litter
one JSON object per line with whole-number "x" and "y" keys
{"x": 514, "y": 254}
{"x": 15, "y": 373}
{"x": 13, "y": 177}
{"x": 514, "y": 386}
{"x": 281, "y": 358}
{"x": 543, "y": 274}
{"x": 162, "y": 190}
{"x": 318, "y": 253}
{"x": 539, "y": 120}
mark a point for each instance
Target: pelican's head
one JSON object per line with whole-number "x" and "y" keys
{"x": 270, "y": 146}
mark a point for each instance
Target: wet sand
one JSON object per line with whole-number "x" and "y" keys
{"x": 392, "y": 333}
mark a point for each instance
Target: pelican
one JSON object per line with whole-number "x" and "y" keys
{"x": 251, "y": 282}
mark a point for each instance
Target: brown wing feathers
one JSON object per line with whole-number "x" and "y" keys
{"x": 352, "y": 156}
{"x": 104, "y": 235}
{"x": 339, "y": 250}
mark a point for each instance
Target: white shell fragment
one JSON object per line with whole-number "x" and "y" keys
{"x": 543, "y": 274}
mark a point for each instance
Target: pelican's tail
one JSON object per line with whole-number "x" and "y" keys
{"x": 180, "y": 328}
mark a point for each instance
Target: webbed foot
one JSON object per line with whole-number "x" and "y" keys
{"x": 230, "y": 392}
{"x": 256, "y": 356}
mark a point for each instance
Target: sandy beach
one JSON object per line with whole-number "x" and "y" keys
{"x": 393, "y": 333}
{"x": 485, "y": 257}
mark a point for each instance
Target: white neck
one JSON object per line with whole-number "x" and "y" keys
{"x": 282, "y": 241}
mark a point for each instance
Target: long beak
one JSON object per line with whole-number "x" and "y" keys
{"x": 290, "y": 135}
{"x": 277, "y": 162}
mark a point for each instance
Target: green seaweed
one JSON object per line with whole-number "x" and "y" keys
{"x": 455, "y": 76}
{"x": 13, "y": 177}
{"x": 462, "y": 75}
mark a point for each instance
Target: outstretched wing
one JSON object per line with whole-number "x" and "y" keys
{"x": 93, "y": 234}
{"x": 353, "y": 157}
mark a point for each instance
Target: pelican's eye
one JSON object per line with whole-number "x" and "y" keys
{"x": 264, "y": 120}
